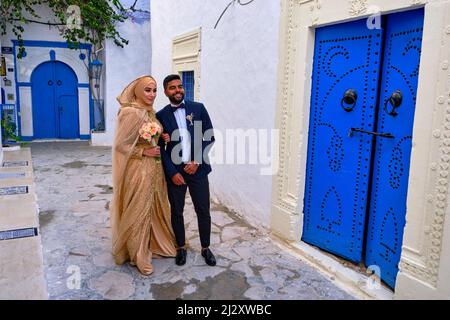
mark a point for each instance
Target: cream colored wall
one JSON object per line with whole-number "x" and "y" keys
{"x": 425, "y": 261}
{"x": 186, "y": 56}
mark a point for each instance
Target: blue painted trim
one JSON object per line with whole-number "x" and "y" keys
{"x": 19, "y": 116}
{"x": 24, "y": 84}
{"x": 82, "y": 137}
{"x": 91, "y": 100}
{"x": 53, "y": 44}
{"x": 52, "y": 55}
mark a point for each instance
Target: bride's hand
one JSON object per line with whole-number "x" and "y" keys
{"x": 166, "y": 137}
{"x": 152, "y": 152}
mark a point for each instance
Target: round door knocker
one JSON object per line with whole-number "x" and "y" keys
{"x": 50, "y": 82}
{"x": 395, "y": 100}
{"x": 349, "y": 100}
{"x": 59, "y": 82}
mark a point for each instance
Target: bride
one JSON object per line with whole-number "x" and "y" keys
{"x": 140, "y": 212}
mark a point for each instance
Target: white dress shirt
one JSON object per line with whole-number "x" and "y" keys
{"x": 180, "y": 117}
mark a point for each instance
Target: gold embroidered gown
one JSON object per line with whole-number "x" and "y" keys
{"x": 140, "y": 210}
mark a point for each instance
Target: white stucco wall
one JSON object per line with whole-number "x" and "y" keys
{"x": 35, "y": 31}
{"x": 122, "y": 65}
{"x": 425, "y": 259}
{"x": 37, "y": 55}
{"x": 238, "y": 83}
{"x": 25, "y": 67}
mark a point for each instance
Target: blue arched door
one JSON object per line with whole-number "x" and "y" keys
{"x": 54, "y": 92}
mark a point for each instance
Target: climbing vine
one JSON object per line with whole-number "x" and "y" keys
{"x": 77, "y": 20}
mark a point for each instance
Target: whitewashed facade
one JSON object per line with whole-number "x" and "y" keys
{"x": 236, "y": 79}
{"x": 254, "y": 71}
{"x": 424, "y": 272}
{"x": 123, "y": 65}
{"x": 44, "y": 46}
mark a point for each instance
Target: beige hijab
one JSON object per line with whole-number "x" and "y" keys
{"x": 130, "y": 119}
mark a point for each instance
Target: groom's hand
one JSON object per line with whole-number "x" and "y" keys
{"x": 178, "y": 179}
{"x": 191, "y": 167}
{"x": 166, "y": 137}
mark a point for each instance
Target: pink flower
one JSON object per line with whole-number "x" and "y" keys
{"x": 153, "y": 131}
{"x": 146, "y": 136}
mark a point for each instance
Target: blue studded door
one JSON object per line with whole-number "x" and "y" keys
{"x": 347, "y": 59}
{"x": 392, "y": 156}
{"x": 54, "y": 94}
{"x": 362, "y": 111}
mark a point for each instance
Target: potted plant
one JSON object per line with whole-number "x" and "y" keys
{"x": 9, "y": 134}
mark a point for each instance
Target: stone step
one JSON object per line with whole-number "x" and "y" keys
{"x": 21, "y": 261}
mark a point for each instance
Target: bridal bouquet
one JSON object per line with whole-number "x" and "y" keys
{"x": 150, "y": 131}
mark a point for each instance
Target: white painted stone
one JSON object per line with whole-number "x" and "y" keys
{"x": 244, "y": 251}
{"x": 84, "y": 208}
{"x": 201, "y": 271}
{"x": 227, "y": 253}
{"x": 190, "y": 289}
{"x": 105, "y": 259}
{"x": 229, "y": 233}
{"x": 220, "y": 218}
{"x": 242, "y": 266}
{"x": 161, "y": 266}
{"x": 215, "y": 239}
{"x": 215, "y": 229}
{"x": 255, "y": 293}
{"x": 113, "y": 285}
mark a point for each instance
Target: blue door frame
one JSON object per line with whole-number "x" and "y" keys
{"x": 50, "y": 45}
{"x": 356, "y": 181}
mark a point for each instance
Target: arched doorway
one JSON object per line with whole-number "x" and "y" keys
{"x": 54, "y": 93}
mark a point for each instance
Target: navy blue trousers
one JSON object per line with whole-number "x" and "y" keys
{"x": 199, "y": 191}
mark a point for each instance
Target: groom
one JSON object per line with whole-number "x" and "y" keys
{"x": 186, "y": 163}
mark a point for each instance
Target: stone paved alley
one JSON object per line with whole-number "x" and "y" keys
{"x": 73, "y": 182}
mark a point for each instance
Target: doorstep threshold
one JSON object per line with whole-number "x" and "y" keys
{"x": 359, "y": 284}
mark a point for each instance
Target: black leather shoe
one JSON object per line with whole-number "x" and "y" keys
{"x": 180, "y": 259}
{"x": 209, "y": 257}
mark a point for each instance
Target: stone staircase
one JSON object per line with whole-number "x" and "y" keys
{"x": 21, "y": 261}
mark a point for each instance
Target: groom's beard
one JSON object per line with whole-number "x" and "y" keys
{"x": 175, "y": 101}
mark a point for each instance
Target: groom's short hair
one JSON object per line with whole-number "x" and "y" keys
{"x": 169, "y": 78}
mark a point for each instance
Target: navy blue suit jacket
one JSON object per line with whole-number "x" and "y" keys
{"x": 200, "y": 119}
